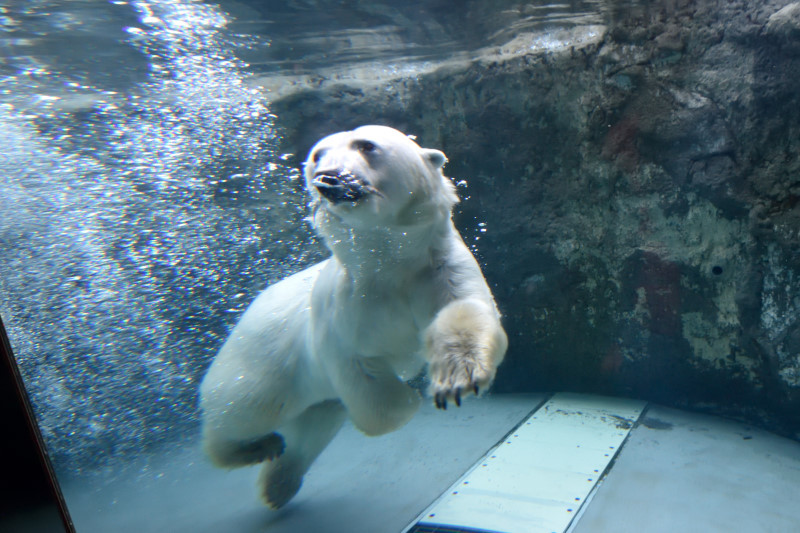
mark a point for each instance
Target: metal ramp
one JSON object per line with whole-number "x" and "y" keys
{"x": 541, "y": 474}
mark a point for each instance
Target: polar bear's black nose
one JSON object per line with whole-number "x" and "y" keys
{"x": 328, "y": 180}
{"x": 337, "y": 186}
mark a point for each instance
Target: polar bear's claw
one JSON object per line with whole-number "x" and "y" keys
{"x": 459, "y": 376}
{"x": 441, "y": 400}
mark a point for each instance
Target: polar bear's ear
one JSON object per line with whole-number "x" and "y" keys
{"x": 435, "y": 157}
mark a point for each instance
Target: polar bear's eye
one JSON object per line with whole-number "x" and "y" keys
{"x": 316, "y": 155}
{"x": 366, "y": 146}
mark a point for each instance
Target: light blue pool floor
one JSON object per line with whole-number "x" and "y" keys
{"x": 676, "y": 472}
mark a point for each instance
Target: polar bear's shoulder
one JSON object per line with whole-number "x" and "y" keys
{"x": 291, "y": 297}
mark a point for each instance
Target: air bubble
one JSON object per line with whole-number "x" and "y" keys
{"x": 133, "y": 218}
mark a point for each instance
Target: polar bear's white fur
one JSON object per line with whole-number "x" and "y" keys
{"x": 341, "y": 338}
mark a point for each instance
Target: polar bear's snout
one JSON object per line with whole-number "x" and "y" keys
{"x": 340, "y": 186}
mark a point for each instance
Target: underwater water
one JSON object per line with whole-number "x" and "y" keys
{"x": 150, "y": 171}
{"x": 145, "y": 203}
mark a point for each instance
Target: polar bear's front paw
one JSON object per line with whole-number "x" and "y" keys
{"x": 459, "y": 375}
{"x": 463, "y": 345}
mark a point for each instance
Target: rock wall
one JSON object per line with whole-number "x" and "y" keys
{"x": 633, "y": 195}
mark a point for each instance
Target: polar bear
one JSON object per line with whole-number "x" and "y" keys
{"x": 339, "y": 339}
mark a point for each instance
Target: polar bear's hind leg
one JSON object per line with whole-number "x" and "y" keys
{"x": 377, "y": 400}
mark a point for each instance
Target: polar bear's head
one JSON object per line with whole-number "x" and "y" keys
{"x": 376, "y": 175}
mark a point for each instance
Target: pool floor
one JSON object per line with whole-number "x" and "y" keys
{"x": 676, "y": 471}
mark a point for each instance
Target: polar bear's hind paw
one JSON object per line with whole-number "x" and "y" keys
{"x": 268, "y": 447}
{"x": 262, "y": 449}
{"x": 235, "y": 453}
{"x": 280, "y": 480}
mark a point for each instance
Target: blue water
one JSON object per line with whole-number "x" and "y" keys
{"x": 144, "y": 203}
{"x": 146, "y": 196}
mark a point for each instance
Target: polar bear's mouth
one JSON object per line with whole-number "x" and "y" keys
{"x": 341, "y": 186}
